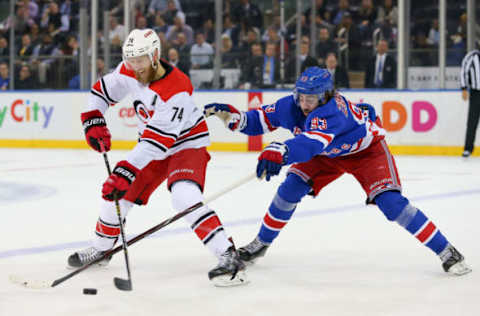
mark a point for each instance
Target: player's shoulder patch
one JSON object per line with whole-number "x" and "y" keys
{"x": 270, "y": 108}
{"x": 174, "y": 82}
{"x": 126, "y": 72}
{"x": 341, "y": 104}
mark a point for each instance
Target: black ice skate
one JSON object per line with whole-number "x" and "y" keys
{"x": 453, "y": 261}
{"x": 86, "y": 256}
{"x": 230, "y": 270}
{"x": 254, "y": 250}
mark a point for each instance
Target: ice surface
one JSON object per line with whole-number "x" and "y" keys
{"x": 336, "y": 256}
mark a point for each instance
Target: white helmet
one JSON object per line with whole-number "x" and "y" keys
{"x": 142, "y": 42}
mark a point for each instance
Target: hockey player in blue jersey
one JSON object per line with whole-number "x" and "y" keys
{"x": 332, "y": 136}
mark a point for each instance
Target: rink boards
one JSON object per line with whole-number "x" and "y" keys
{"x": 417, "y": 122}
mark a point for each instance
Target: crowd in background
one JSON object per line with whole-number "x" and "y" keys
{"x": 353, "y": 36}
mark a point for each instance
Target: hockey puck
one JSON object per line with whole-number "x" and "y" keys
{"x": 89, "y": 291}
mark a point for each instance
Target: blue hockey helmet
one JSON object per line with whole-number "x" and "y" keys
{"x": 314, "y": 80}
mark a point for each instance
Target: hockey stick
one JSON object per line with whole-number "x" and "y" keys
{"x": 39, "y": 284}
{"x": 121, "y": 284}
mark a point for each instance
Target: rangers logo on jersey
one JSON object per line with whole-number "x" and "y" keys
{"x": 341, "y": 105}
{"x": 270, "y": 108}
{"x": 318, "y": 123}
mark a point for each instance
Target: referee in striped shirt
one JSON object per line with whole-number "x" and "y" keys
{"x": 470, "y": 79}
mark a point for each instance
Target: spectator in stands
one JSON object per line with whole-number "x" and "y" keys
{"x": 32, "y": 8}
{"x": 228, "y": 25}
{"x": 208, "y": 31}
{"x": 161, "y": 6}
{"x": 181, "y": 45}
{"x": 322, "y": 15}
{"x": 164, "y": 44}
{"x": 367, "y": 14}
{"x": 179, "y": 26}
{"x": 292, "y": 29}
{"x": 251, "y": 70}
{"x": 52, "y": 16}
{"x": 339, "y": 74}
{"x": 201, "y": 53}
{"x": 4, "y": 49}
{"x": 174, "y": 59}
{"x": 325, "y": 45}
{"x": 74, "y": 83}
{"x": 160, "y": 25}
{"x": 229, "y": 57}
{"x": 434, "y": 33}
{"x": 246, "y": 37}
{"x": 342, "y": 8}
{"x": 23, "y": 21}
{"x": 387, "y": 12}
{"x": 26, "y": 49}
{"x": 350, "y": 36}
{"x": 248, "y": 11}
{"x": 116, "y": 30}
{"x": 170, "y": 13}
{"x": 70, "y": 64}
{"x": 44, "y": 56}
{"x": 305, "y": 60}
{"x": 381, "y": 69}
{"x": 273, "y": 36}
{"x": 4, "y": 77}
{"x": 116, "y": 50}
{"x": 422, "y": 53}
{"x": 25, "y": 80}
{"x": 35, "y": 35}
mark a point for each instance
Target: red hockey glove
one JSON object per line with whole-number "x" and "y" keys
{"x": 119, "y": 181}
{"x": 271, "y": 160}
{"x": 233, "y": 118}
{"x": 96, "y": 130}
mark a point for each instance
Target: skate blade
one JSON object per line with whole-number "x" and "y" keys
{"x": 459, "y": 268}
{"x": 101, "y": 264}
{"x": 227, "y": 281}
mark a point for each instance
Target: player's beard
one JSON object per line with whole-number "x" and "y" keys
{"x": 147, "y": 76}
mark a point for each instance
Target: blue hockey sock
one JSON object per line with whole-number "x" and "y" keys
{"x": 290, "y": 192}
{"x": 397, "y": 208}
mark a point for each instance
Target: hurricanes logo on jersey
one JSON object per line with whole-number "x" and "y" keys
{"x": 142, "y": 113}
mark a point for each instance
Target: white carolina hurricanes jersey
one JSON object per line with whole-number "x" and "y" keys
{"x": 169, "y": 120}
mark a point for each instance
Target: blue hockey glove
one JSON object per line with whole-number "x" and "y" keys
{"x": 233, "y": 118}
{"x": 271, "y": 160}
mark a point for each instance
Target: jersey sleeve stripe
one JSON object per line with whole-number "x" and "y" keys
{"x": 319, "y": 136}
{"x": 95, "y": 93}
{"x": 197, "y": 136}
{"x": 167, "y": 142}
{"x": 265, "y": 122}
{"x": 159, "y": 131}
{"x": 104, "y": 88}
{"x": 190, "y": 128}
{"x": 154, "y": 143}
{"x": 196, "y": 129}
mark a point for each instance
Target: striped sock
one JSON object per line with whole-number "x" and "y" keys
{"x": 427, "y": 233}
{"x": 278, "y": 215}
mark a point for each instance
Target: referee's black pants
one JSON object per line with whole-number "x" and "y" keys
{"x": 472, "y": 122}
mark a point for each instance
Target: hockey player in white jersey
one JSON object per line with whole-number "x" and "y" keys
{"x": 173, "y": 136}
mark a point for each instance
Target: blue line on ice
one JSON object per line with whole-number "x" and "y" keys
{"x": 243, "y": 222}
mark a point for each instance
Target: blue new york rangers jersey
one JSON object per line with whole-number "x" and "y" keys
{"x": 334, "y": 129}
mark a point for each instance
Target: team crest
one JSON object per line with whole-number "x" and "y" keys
{"x": 270, "y": 108}
{"x": 341, "y": 105}
{"x": 318, "y": 123}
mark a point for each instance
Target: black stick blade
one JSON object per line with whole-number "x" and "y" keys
{"x": 122, "y": 284}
